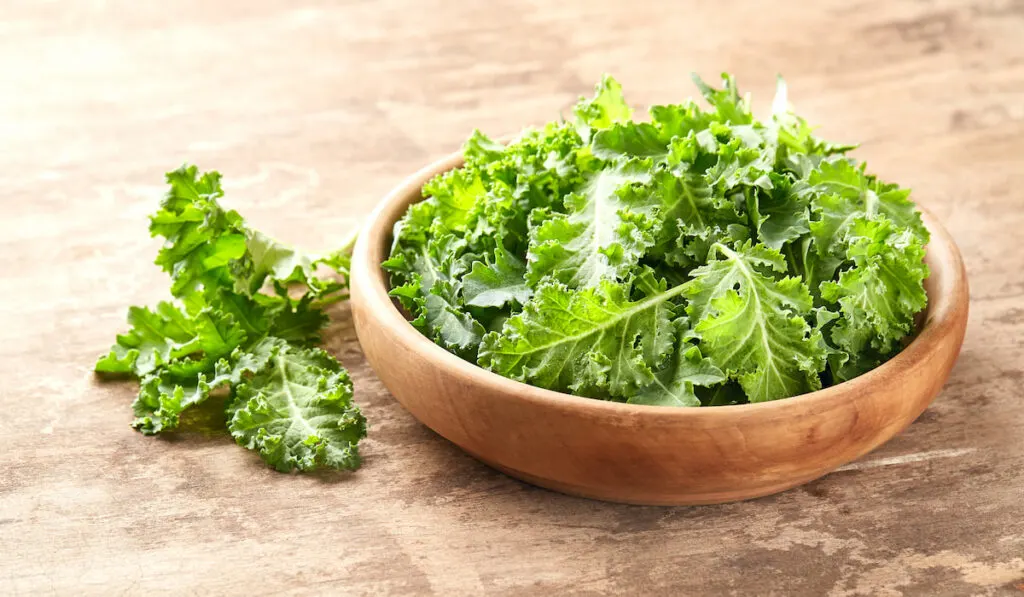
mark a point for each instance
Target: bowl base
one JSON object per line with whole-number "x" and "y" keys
{"x": 640, "y": 499}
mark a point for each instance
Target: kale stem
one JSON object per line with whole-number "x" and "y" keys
{"x": 791, "y": 259}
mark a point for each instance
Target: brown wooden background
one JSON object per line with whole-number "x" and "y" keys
{"x": 313, "y": 110}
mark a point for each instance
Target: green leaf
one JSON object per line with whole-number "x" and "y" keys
{"x": 153, "y": 340}
{"x": 881, "y": 293}
{"x": 215, "y": 334}
{"x": 164, "y": 396}
{"x": 254, "y": 317}
{"x": 434, "y": 293}
{"x": 728, "y": 104}
{"x": 170, "y": 337}
{"x": 630, "y": 139}
{"x": 686, "y": 196}
{"x": 208, "y": 247}
{"x": 435, "y": 261}
{"x": 782, "y": 213}
{"x": 740, "y": 167}
{"x": 750, "y": 323}
{"x": 497, "y": 221}
{"x": 606, "y": 108}
{"x": 845, "y": 366}
{"x": 450, "y": 325}
{"x": 413, "y": 228}
{"x": 701, "y": 203}
{"x": 453, "y": 195}
{"x": 267, "y": 259}
{"x": 680, "y": 120}
{"x": 841, "y": 195}
{"x": 675, "y": 386}
{"x": 722, "y": 395}
{"x": 299, "y": 322}
{"x": 297, "y": 412}
{"x": 860, "y": 196}
{"x": 593, "y": 341}
{"x": 202, "y": 239}
{"x": 480, "y": 148}
{"x": 161, "y": 401}
{"x": 500, "y": 283}
{"x": 605, "y": 232}
{"x": 542, "y": 166}
{"x": 693, "y": 218}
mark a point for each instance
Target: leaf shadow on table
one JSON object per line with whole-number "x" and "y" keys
{"x": 205, "y": 425}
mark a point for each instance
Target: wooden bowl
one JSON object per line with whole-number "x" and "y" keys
{"x": 649, "y": 454}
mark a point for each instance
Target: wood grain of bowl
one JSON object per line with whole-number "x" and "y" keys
{"x": 649, "y": 454}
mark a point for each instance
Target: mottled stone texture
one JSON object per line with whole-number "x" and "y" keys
{"x": 313, "y": 110}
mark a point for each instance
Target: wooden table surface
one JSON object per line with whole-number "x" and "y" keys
{"x": 313, "y": 110}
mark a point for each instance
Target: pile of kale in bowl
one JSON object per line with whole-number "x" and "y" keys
{"x": 703, "y": 257}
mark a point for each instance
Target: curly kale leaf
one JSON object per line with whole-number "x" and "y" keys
{"x": 879, "y": 295}
{"x": 594, "y": 341}
{"x": 607, "y": 228}
{"x": 677, "y": 384}
{"x": 240, "y": 299}
{"x": 297, "y": 411}
{"x": 751, "y": 324}
{"x": 606, "y": 108}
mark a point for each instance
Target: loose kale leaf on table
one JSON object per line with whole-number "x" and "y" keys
{"x": 245, "y": 309}
{"x": 297, "y": 409}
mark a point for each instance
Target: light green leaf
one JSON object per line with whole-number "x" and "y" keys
{"x": 202, "y": 239}
{"x": 453, "y": 195}
{"x": 500, "y": 283}
{"x": 782, "y": 213}
{"x": 706, "y": 204}
{"x": 543, "y": 165}
{"x": 592, "y": 341}
{"x": 480, "y": 148}
{"x": 680, "y": 120}
{"x": 297, "y": 411}
{"x": 740, "y": 168}
{"x": 750, "y": 323}
{"x": 606, "y": 108}
{"x": 172, "y": 338}
{"x": 153, "y": 340}
{"x": 214, "y": 335}
{"x": 675, "y": 385}
{"x": 630, "y": 139}
{"x": 268, "y": 260}
{"x": 728, "y": 104}
{"x": 881, "y": 293}
{"x": 605, "y": 232}
{"x": 861, "y": 196}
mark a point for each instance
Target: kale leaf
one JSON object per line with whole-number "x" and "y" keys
{"x": 245, "y": 314}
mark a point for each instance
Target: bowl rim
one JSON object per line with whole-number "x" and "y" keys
{"x": 946, "y": 292}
